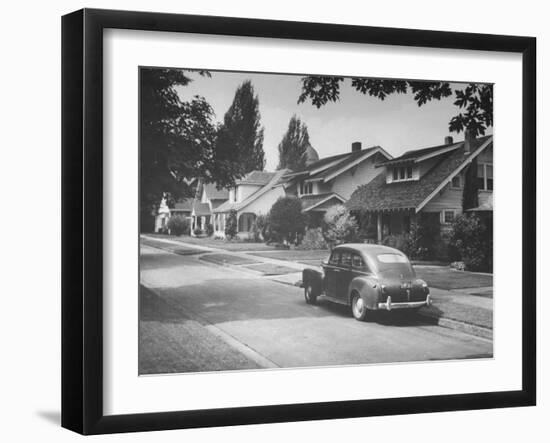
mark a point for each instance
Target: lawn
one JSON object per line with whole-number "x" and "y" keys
{"x": 222, "y": 244}
{"x": 312, "y": 258}
{"x": 271, "y": 269}
{"x": 447, "y": 278}
{"x": 228, "y": 259}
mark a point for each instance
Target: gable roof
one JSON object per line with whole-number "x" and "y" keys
{"x": 200, "y": 209}
{"x": 256, "y": 178}
{"x": 381, "y": 196}
{"x": 313, "y": 201}
{"x": 184, "y": 205}
{"x": 274, "y": 181}
{"x": 213, "y": 193}
{"x": 330, "y": 167}
{"x": 417, "y": 155}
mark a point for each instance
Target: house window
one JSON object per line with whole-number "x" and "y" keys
{"x": 306, "y": 188}
{"x": 447, "y": 217}
{"x": 456, "y": 182}
{"x": 485, "y": 176}
{"x": 402, "y": 173}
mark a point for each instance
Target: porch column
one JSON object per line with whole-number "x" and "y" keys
{"x": 379, "y": 227}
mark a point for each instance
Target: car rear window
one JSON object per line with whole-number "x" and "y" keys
{"x": 394, "y": 265}
{"x": 391, "y": 258}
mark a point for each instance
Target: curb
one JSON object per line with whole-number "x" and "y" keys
{"x": 467, "y": 328}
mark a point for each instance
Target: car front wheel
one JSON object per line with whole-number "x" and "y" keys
{"x": 358, "y": 307}
{"x": 309, "y": 295}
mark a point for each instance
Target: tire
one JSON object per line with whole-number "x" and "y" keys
{"x": 310, "y": 295}
{"x": 358, "y": 308}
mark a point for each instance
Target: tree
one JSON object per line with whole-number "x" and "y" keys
{"x": 339, "y": 226}
{"x": 177, "y": 138}
{"x": 239, "y": 145}
{"x": 475, "y": 100}
{"x": 286, "y": 219}
{"x": 231, "y": 226}
{"x": 473, "y": 239}
{"x": 293, "y": 145}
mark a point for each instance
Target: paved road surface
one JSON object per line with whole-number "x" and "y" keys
{"x": 269, "y": 323}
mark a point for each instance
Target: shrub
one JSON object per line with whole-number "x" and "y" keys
{"x": 209, "y": 229}
{"x": 261, "y": 227}
{"x": 178, "y": 225}
{"x": 313, "y": 239}
{"x": 198, "y": 231}
{"x": 401, "y": 242}
{"x": 231, "y": 226}
{"x": 286, "y": 219}
{"x": 339, "y": 226}
{"x": 473, "y": 241}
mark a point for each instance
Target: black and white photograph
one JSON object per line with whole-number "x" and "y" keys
{"x": 297, "y": 220}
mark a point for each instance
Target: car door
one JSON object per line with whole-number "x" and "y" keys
{"x": 344, "y": 276}
{"x": 332, "y": 272}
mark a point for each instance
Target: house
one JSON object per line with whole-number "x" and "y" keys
{"x": 427, "y": 181}
{"x": 209, "y": 197}
{"x": 183, "y": 208}
{"x": 254, "y": 194}
{"x": 325, "y": 182}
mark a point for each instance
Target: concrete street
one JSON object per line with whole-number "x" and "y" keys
{"x": 240, "y": 319}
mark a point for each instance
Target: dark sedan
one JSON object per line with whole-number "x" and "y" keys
{"x": 367, "y": 277}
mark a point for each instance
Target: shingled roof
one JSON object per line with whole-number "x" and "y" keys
{"x": 325, "y": 168}
{"x": 378, "y": 195}
{"x": 256, "y": 178}
{"x": 213, "y": 193}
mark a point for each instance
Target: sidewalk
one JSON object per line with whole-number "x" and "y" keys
{"x": 455, "y": 309}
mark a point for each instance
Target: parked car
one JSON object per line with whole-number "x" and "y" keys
{"x": 367, "y": 277}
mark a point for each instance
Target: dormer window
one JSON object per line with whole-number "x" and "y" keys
{"x": 402, "y": 173}
{"x": 456, "y": 182}
{"x": 306, "y": 188}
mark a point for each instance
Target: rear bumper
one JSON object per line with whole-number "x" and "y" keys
{"x": 388, "y": 305}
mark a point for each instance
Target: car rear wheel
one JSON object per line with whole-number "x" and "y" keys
{"x": 309, "y": 295}
{"x": 358, "y": 307}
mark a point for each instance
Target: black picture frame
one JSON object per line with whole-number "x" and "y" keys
{"x": 82, "y": 216}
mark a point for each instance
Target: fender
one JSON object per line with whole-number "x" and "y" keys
{"x": 315, "y": 278}
{"x": 368, "y": 289}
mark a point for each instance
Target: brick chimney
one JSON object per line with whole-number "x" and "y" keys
{"x": 468, "y": 141}
{"x": 449, "y": 140}
{"x": 355, "y": 146}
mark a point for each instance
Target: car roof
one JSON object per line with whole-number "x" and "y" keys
{"x": 369, "y": 248}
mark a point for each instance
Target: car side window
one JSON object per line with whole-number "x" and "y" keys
{"x": 345, "y": 261}
{"x": 335, "y": 258}
{"x": 358, "y": 263}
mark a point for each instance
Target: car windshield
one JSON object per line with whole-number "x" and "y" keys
{"x": 394, "y": 265}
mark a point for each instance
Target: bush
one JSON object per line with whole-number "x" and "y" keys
{"x": 401, "y": 242}
{"x": 286, "y": 220}
{"x": 178, "y": 225}
{"x": 231, "y": 225}
{"x": 258, "y": 228}
{"x": 472, "y": 239}
{"x": 313, "y": 239}
{"x": 339, "y": 226}
{"x": 198, "y": 231}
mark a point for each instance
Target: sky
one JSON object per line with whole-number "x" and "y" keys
{"x": 397, "y": 124}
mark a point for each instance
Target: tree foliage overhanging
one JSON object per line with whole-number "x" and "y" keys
{"x": 181, "y": 141}
{"x": 475, "y": 100}
{"x": 177, "y": 138}
{"x": 293, "y": 145}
